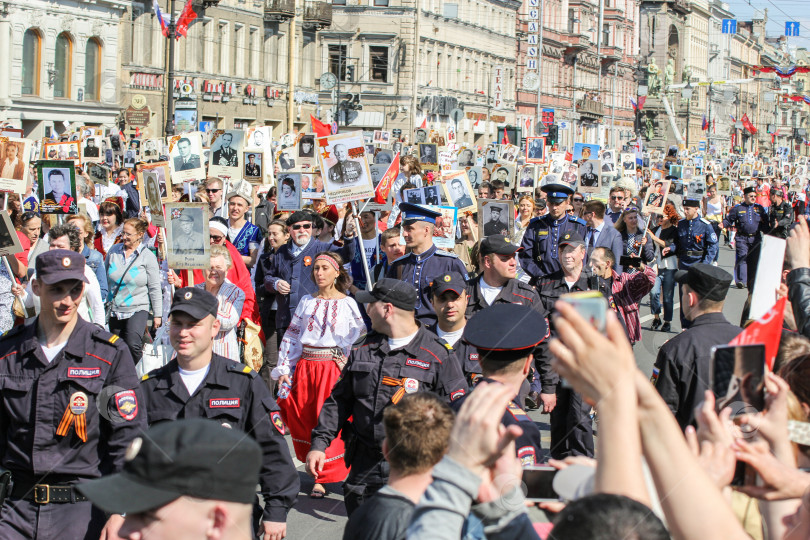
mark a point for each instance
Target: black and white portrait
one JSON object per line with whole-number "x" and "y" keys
{"x": 475, "y": 176}
{"x": 589, "y": 176}
{"x": 187, "y": 228}
{"x": 535, "y": 149}
{"x": 458, "y": 190}
{"x": 415, "y": 196}
{"x": 150, "y": 149}
{"x": 306, "y": 147}
{"x": 504, "y": 173}
{"x": 432, "y": 195}
{"x": 347, "y": 172}
{"x": 377, "y": 172}
{"x": 526, "y": 179}
{"x": 383, "y": 157}
{"x": 99, "y": 174}
{"x": 186, "y": 158}
{"x": 9, "y": 241}
{"x": 225, "y": 150}
{"x": 495, "y": 219}
{"x": 428, "y": 154}
{"x": 466, "y": 157}
{"x": 421, "y": 136}
{"x": 286, "y": 161}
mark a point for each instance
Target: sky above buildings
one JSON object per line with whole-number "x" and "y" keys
{"x": 779, "y": 11}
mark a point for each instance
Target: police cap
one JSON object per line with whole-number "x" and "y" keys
{"x": 571, "y": 238}
{"x": 499, "y": 244}
{"x": 418, "y": 212}
{"x": 504, "y": 328}
{"x": 192, "y": 457}
{"x": 60, "y": 265}
{"x": 557, "y": 193}
{"x": 709, "y": 282}
{"x": 691, "y": 203}
{"x": 451, "y": 281}
{"x": 198, "y": 303}
{"x": 392, "y": 291}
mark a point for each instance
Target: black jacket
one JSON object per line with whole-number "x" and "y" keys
{"x": 798, "y": 282}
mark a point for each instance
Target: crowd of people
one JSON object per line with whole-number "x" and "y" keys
{"x": 403, "y": 372}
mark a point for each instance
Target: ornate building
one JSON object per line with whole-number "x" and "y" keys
{"x": 58, "y": 67}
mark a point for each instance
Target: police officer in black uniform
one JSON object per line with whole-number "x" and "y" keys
{"x": 681, "y": 371}
{"x": 199, "y": 383}
{"x": 506, "y": 336}
{"x": 540, "y": 256}
{"x": 780, "y": 214}
{"x": 424, "y": 261}
{"x": 400, "y": 356}
{"x": 450, "y": 300}
{"x": 497, "y": 284}
{"x": 69, "y": 408}
{"x": 571, "y": 425}
{"x": 751, "y": 220}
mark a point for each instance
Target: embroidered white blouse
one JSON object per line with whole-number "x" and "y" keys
{"x": 319, "y": 322}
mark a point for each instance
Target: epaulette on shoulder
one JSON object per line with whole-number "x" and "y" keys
{"x": 575, "y": 219}
{"x": 444, "y": 253}
{"x": 243, "y": 369}
{"x": 13, "y": 332}
{"x": 401, "y": 258}
{"x": 105, "y": 337}
{"x": 706, "y": 221}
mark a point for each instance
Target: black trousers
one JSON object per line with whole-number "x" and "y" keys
{"x": 131, "y": 331}
{"x": 571, "y": 426}
{"x": 369, "y": 472}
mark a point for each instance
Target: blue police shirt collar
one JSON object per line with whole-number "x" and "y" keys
{"x": 424, "y": 255}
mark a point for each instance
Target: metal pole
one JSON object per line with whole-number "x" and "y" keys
{"x": 599, "y": 47}
{"x": 291, "y": 72}
{"x": 169, "y": 129}
{"x": 540, "y": 65}
{"x": 339, "y": 77}
{"x": 688, "y": 119}
{"x": 414, "y": 84}
{"x": 711, "y": 124}
{"x": 369, "y": 283}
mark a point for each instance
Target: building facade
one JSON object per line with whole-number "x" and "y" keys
{"x": 243, "y": 63}
{"x": 58, "y": 69}
{"x": 586, "y": 72}
{"x": 401, "y": 64}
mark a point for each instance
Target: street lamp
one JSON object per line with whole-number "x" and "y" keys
{"x": 686, "y": 94}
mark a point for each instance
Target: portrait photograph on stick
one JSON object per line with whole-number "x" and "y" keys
{"x": 63, "y": 151}
{"x": 161, "y": 171}
{"x": 187, "y": 241}
{"x": 344, "y": 162}
{"x": 656, "y": 197}
{"x": 444, "y": 231}
{"x": 15, "y": 154}
{"x": 56, "y": 184}
{"x": 226, "y": 153}
{"x": 151, "y": 185}
{"x": 289, "y": 192}
{"x": 458, "y": 191}
{"x": 185, "y": 157}
{"x": 495, "y": 217}
{"x": 589, "y": 177}
{"x": 254, "y": 161}
{"x": 535, "y": 149}
{"x": 9, "y": 241}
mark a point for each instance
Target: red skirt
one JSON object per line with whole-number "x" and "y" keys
{"x": 312, "y": 383}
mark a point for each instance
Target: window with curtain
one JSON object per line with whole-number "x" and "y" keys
{"x": 92, "y": 70}
{"x": 63, "y": 66}
{"x": 31, "y": 62}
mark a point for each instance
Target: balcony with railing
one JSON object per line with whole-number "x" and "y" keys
{"x": 279, "y": 10}
{"x": 317, "y": 15}
{"x": 590, "y": 107}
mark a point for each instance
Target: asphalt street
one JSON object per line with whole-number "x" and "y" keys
{"x": 317, "y": 519}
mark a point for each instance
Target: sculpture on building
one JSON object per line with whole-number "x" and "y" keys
{"x": 669, "y": 74}
{"x": 686, "y": 74}
{"x": 653, "y": 78}
{"x": 649, "y": 128}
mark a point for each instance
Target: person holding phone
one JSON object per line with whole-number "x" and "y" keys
{"x": 681, "y": 369}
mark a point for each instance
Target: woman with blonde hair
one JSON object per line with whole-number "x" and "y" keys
{"x": 526, "y": 208}
{"x": 230, "y": 297}
{"x": 312, "y": 355}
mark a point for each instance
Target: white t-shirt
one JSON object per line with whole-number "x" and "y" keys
{"x": 488, "y": 292}
{"x": 368, "y": 248}
{"x": 51, "y": 352}
{"x": 398, "y": 343}
{"x": 450, "y": 337}
{"x": 193, "y": 379}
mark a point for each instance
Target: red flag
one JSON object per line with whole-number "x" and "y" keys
{"x": 748, "y": 125}
{"x": 765, "y": 331}
{"x": 569, "y": 156}
{"x": 186, "y": 16}
{"x": 138, "y": 133}
{"x": 383, "y": 189}
{"x": 476, "y": 121}
{"x": 641, "y": 101}
{"x": 320, "y": 129}
{"x": 505, "y": 139}
{"x": 424, "y": 123}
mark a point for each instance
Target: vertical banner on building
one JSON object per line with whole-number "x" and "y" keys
{"x": 498, "y": 86}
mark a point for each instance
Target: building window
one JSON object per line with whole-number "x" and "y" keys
{"x": 450, "y": 11}
{"x": 605, "y": 35}
{"x": 337, "y": 61}
{"x": 338, "y": 2}
{"x": 92, "y": 69}
{"x": 571, "y": 16}
{"x": 32, "y": 44}
{"x": 381, "y": 3}
{"x": 378, "y": 57}
{"x": 63, "y": 60}
{"x": 253, "y": 44}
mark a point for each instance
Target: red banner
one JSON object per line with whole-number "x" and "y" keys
{"x": 319, "y": 128}
{"x": 748, "y": 125}
{"x": 766, "y": 331}
{"x": 384, "y": 187}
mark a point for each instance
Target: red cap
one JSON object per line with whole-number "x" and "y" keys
{"x": 331, "y": 214}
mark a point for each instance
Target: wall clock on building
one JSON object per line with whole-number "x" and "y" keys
{"x": 328, "y": 81}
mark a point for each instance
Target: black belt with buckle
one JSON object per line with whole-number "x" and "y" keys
{"x": 47, "y": 494}
{"x": 694, "y": 254}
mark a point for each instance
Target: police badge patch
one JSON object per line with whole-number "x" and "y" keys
{"x": 127, "y": 404}
{"x": 275, "y": 416}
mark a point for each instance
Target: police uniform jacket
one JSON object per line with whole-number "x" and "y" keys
{"x": 750, "y": 219}
{"x": 780, "y": 219}
{"x": 540, "y": 254}
{"x": 233, "y": 395}
{"x": 466, "y": 354}
{"x": 36, "y": 394}
{"x": 528, "y": 446}
{"x": 681, "y": 371}
{"x": 420, "y": 271}
{"x": 426, "y": 364}
{"x": 695, "y": 242}
{"x": 297, "y": 271}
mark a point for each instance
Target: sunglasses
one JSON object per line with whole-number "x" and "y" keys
{"x": 299, "y": 226}
{"x": 578, "y": 200}
{"x": 216, "y": 238}
{"x": 212, "y": 190}
{"x": 615, "y": 198}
